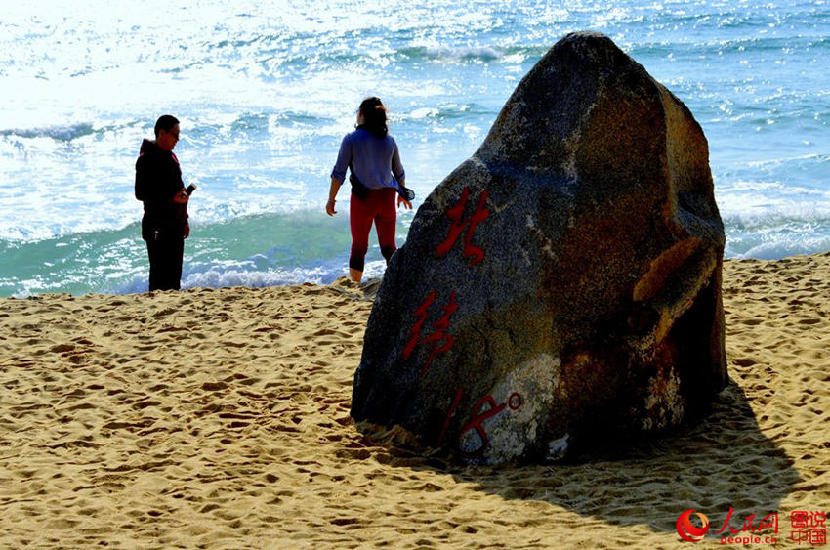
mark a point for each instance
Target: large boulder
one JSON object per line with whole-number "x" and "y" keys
{"x": 564, "y": 283}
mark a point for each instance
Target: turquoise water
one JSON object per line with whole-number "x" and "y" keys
{"x": 266, "y": 90}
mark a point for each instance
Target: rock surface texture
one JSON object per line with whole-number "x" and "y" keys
{"x": 564, "y": 283}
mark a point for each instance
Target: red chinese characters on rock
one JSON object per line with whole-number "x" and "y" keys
{"x": 456, "y": 400}
{"x": 477, "y": 419}
{"x": 439, "y": 341}
{"x": 455, "y": 214}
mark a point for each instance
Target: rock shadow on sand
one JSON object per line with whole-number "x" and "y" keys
{"x": 724, "y": 461}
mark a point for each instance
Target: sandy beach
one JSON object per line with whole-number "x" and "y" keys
{"x": 220, "y": 419}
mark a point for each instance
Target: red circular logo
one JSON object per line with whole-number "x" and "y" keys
{"x": 689, "y": 532}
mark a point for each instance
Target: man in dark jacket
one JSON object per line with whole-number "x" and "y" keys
{"x": 158, "y": 182}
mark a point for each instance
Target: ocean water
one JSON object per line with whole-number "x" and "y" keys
{"x": 266, "y": 91}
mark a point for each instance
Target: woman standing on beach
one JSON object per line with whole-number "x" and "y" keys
{"x": 376, "y": 175}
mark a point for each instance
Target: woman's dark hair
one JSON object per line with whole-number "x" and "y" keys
{"x": 166, "y": 123}
{"x": 374, "y": 116}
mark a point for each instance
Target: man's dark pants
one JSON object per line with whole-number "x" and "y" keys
{"x": 166, "y": 257}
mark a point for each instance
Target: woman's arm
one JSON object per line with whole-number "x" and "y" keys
{"x": 335, "y": 187}
{"x": 344, "y": 159}
{"x": 397, "y": 167}
{"x": 400, "y": 176}
{"x": 338, "y": 173}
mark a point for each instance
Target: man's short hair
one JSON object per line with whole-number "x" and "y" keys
{"x": 166, "y": 123}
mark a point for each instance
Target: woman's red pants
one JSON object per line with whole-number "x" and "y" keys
{"x": 377, "y": 207}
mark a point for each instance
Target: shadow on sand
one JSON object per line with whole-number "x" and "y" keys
{"x": 724, "y": 461}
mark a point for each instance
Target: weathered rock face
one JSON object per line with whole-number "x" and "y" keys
{"x": 562, "y": 284}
